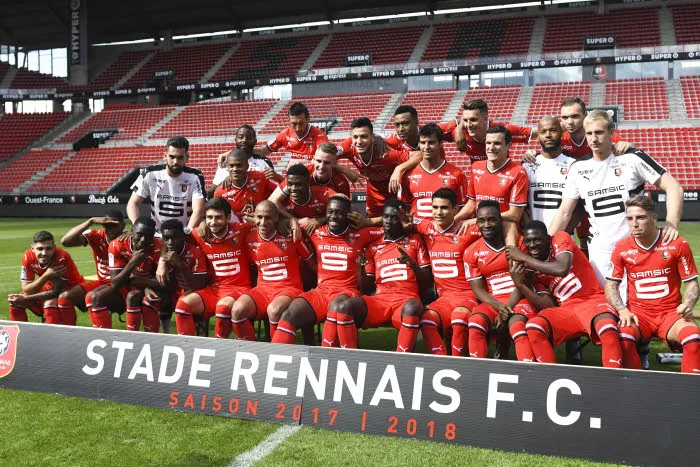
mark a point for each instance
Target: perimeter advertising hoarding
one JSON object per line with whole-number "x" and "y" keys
{"x": 601, "y": 414}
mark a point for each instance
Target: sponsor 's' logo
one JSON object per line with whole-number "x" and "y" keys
{"x": 8, "y": 348}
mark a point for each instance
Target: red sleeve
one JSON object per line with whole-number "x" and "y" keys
{"x": 393, "y": 142}
{"x": 686, "y": 263}
{"x": 369, "y": 267}
{"x": 115, "y": 259}
{"x": 92, "y": 236}
{"x": 279, "y": 141}
{"x": 521, "y": 134}
{"x": 422, "y": 226}
{"x": 397, "y": 156}
{"x": 423, "y": 258}
{"x": 616, "y": 137}
{"x": 303, "y": 249}
{"x": 470, "y": 187}
{"x": 320, "y": 137}
{"x": 200, "y": 261}
{"x": 327, "y": 193}
{"x": 404, "y": 191}
{"x": 618, "y": 268}
{"x": 270, "y": 186}
{"x": 518, "y": 195}
{"x": 471, "y": 268}
{"x": 462, "y": 197}
{"x": 448, "y": 130}
{"x": 73, "y": 275}
{"x": 562, "y": 241}
{"x": 27, "y": 273}
{"x": 219, "y": 191}
{"x": 342, "y": 184}
{"x": 471, "y": 235}
{"x": 344, "y": 148}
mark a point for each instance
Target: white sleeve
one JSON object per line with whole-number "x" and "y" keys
{"x": 220, "y": 176}
{"x": 571, "y": 190}
{"x": 140, "y": 186}
{"x": 198, "y": 187}
{"x": 647, "y": 168}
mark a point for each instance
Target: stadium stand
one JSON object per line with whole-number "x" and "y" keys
{"x": 268, "y": 58}
{"x": 17, "y": 131}
{"x": 430, "y": 105}
{"x": 188, "y": 64}
{"x": 4, "y": 68}
{"x": 501, "y": 100}
{"x": 631, "y": 27}
{"x": 23, "y": 168}
{"x": 472, "y": 39}
{"x": 343, "y": 107}
{"x": 26, "y": 79}
{"x": 388, "y": 45}
{"x": 131, "y": 123}
{"x": 641, "y": 98}
{"x": 686, "y": 19}
{"x": 117, "y": 69}
{"x": 691, "y": 95}
{"x": 547, "y": 97}
{"x": 220, "y": 119}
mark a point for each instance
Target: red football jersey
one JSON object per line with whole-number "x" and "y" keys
{"x": 396, "y": 143}
{"x": 97, "y": 239}
{"x": 31, "y": 268}
{"x": 337, "y": 255}
{"x": 446, "y": 250}
{"x": 654, "y": 274}
{"x": 419, "y": 184}
{"x": 378, "y": 172}
{"x": 194, "y": 259}
{"x": 120, "y": 252}
{"x": 572, "y": 149}
{"x": 580, "y": 283}
{"x": 278, "y": 258}
{"x": 256, "y": 188}
{"x": 508, "y": 185}
{"x": 482, "y": 261}
{"x": 227, "y": 257}
{"x": 338, "y": 182}
{"x": 314, "y": 207}
{"x": 392, "y": 276}
{"x": 304, "y": 147}
{"x": 476, "y": 150}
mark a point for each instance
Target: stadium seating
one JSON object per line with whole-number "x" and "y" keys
{"x": 641, "y": 98}
{"x": 473, "y": 39}
{"x": 17, "y": 131}
{"x": 501, "y": 100}
{"x": 130, "y": 123}
{"x": 631, "y": 27}
{"x": 388, "y": 45}
{"x": 269, "y": 58}
{"x": 691, "y": 95}
{"x": 344, "y": 107}
{"x": 686, "y": 19}
{"x": 547, "y": 97}
{"x": 220, "y": 119}
{"x": 23, "y": 168}
{"x": 188, "y": 64}
{"x": 4, "y": 68}
{"x": 116, "y": 70}
{"x": 26, "y": 79}
{"x": 431, "y": 105}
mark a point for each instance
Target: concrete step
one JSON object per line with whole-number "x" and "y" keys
{"x": 274, "y": 110}
{"x": 219, "y": 63}
{"x": 151, "y": 131}
{"x": 421, "y": 45}
{"x": 39, "y": 176}
{"x": 537, "y": 39}
{"x": 523, "y": 105}
{"x": 455, "y": 107}
{"x": 387, "y": 112}
{"x": 133, "y": 71}
{"x": 311, "y": 59}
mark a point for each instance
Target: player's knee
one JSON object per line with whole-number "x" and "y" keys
{"x": 51, "y": 303}
{"x": 515, "y": 318}
{"x": 537, "y": 327}
{"x": 134, "y": 298}
{"x": 630, "y": 333}
{"x": 412, "y": 308}
{"x": 242, "y": 308}
{"x": 480, "y": 322}
{"x": 431, "y": 318}
{"x": 65, "y": 295}
{"x": 605, "y": 322}
{"x": 345, "y": 307}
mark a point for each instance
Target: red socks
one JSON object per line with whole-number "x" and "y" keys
{"x": 609, "y": 335}
{"x": 18, "y": 314}
{"x": 347, "y": 332}
{"x": 410, "y": 325}
{"x": 431, "y": 335}
{"x": 133, "y": 318}
{"x": 67, "y": 310}
{"x": 689, "y": 337}
{"x": 151, "y": 320}
{"x": 285, "y": 333}
{"x": 538, "y": 334}
{"x": 478, "y": 329}
{"x": 223, "y": 326}
{"x": 52, "y": 315}
{"x": 460, "y": 333}
{"x": 183, "y": 319}
{"x": 628, "y": 342}
{"x": 330, "y": 336}
{"x": 523, "y": 349}
{"x": 243, "y": 328}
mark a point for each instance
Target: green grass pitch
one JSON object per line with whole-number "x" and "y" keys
{"x": 44, "y": 429}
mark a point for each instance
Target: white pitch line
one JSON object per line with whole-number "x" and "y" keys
{"x": 266, "y": 446}
{"x": 18, "y": 267}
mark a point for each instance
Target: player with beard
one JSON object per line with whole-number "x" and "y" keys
{"x": 324, "y": 172}
{"x": 449, "y": 314}
{"x": 561, "y": 268}
{"x": 175, "y": 190}
{"x": 655, "y": 273}
{"x": 487, "y": 271}
{"x": 223, "y": 244}
{"x": 337, "y": 250}
{"x": 98, "y": 240}
{"x": 46, "y": 272}
{"x": 400, "y": 263}
{"x": 278, "y": 259}
{"x": 243, "y": 188}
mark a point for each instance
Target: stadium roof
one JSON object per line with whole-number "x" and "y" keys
{"x": 42, "y": 24}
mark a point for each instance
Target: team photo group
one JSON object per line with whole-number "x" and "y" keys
{"x": 461, "y": 258}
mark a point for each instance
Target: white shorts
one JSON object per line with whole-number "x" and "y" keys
{"x": 599, "y": 256}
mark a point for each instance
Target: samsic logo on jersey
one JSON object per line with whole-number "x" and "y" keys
{"x": 8, "y": 349}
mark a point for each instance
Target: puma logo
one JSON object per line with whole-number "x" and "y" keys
{"x": 330, "y": 343}
{"x": 619, "y": 362}
{"x": 131, "y": 327}
{"x": 475, "y": 354}
{"x": 437, "y": 348}
{"x": 403, "y": 349}
{"x": 584, "y": 176}
{"x": 458, "y": 349}
{"x": 481, "y": 260}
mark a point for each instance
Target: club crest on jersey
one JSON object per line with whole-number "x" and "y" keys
{"x": 283, "y": 245}
{"x": 8, "y": 348}
{"x": 564, "y": 170}
{"x": 502, "y": 182}
{"x": 664, "y": 254}
{"x": 444, "y": 182}
{"x": 618, "y": 171}
{"x": 184, "y": 186}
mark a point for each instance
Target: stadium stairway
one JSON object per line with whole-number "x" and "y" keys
{"x": 523, "y": 105}
{"x": 667, "y": 27}
{"x": 311, "y": 59}
{"x": 152, "y": 131}
{"x": 455, "y": 107}
{"x": 537, "y": 38}
{"x": 274, "y": 110}
{"x": 421, "y": 45}
{"x": 39, "y": 176}
{"x": 219, "y": 63}
{"x": 676, "y": 104}
{"x": 597, "y": 94}
{"x": 8, "y": 78}
{"x": 388, "y": 111}
{"x": 133, "y": 71}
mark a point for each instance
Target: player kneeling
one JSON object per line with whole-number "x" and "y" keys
{"x": 563, "y": 269}
{"x": 277, "y": 258}
{"x": 487, "y": 271}
{"x": 400, "y": 263}
{"x": 654, "y": 274}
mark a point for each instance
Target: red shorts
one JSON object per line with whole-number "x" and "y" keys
{"x": 656, "y": 324}
{"x": 383, "y": 309}
{"x": 92, "y": 285}
{"x": 445, "y": 305}
{"x": 319, "y": 299}
{"x": 264, "y": 294}
{"x": 584, "y": 227}
{"x": 211, "y": 295}
{"x": 575, "y": 318}
{"x": 523, "y": 307}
